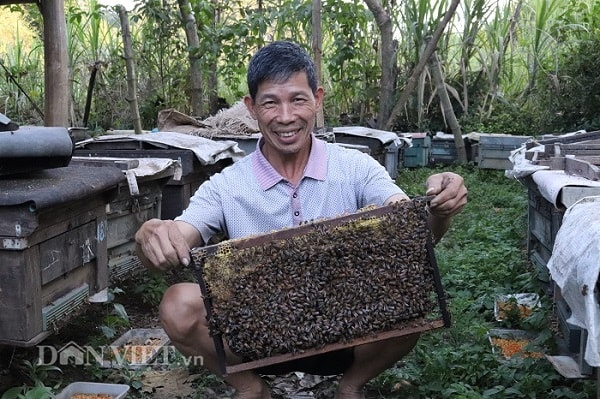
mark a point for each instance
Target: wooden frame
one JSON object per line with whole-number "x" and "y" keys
{"x": 408, "y": 327}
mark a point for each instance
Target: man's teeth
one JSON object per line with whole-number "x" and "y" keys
{"x": 287, "y": 134}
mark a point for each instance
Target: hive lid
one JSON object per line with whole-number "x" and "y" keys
{"x": 34, "y": 148}
{"x": 46, "y": 188}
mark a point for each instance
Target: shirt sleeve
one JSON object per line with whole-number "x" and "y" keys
{"x": 205, "y": 211}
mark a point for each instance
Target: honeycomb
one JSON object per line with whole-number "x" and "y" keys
{"x": 321, "y": 283}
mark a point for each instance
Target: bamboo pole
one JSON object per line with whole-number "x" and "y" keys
{"x": 191, "y": 33}
{"x": 388, "y": 60}
{"x": 56, "y": 69}
{"x": 446, "y": 105}
{"x": 414, "y": 77}
{"x": 130, "y": 65}
{"x": 317, "y": 48}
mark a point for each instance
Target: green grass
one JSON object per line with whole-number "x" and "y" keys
{"x": 482, "y": 255}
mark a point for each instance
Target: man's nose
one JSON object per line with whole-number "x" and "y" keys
{"x": 286, "y": 112}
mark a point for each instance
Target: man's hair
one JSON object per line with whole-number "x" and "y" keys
{"x": 277, "y": 62}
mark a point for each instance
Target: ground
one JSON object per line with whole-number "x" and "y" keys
{"x": 172, "y": 380}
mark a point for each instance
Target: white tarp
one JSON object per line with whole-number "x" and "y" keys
{"x": 574, "y": 266}
{"x": 207, "y": 151}
{"x": 522, "y": 166}
{"x": 551, "y": 182}
{"x": 384, "y": 136}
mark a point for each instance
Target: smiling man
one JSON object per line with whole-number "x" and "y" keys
{"x": 291, "y": 177}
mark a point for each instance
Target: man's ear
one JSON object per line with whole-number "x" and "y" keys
{"x": 250, "y": 105}
{"x": 319, "y": 94}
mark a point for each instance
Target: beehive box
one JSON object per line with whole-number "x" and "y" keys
{"x": 322, "y": 286}
{"x": 494, "y": 150}
{"x": 443, "y": 150}
{"x": 544, "y": 221}
{"x": 137, "y": 200}
{"x": 418, "y": 153}
{"x": 571, "y": 339}
{"x": 53, "y": 253}
{"x": 125, "y": 216}
{"x": 383, "y": 145}
{"x": 177, "y": 192}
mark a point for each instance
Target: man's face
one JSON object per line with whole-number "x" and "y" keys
{"x": 286, "y": 112}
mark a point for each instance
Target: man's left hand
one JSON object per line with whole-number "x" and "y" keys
{"x": 450, "y": 194}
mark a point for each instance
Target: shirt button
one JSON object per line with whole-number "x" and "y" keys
{"x": 295, "y": 195}
{"x": 296, "y": 213}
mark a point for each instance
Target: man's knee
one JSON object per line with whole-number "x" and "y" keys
{"x": 181, "y": 309}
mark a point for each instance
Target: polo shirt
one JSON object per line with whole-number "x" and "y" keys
{"x": 250, "y": 197}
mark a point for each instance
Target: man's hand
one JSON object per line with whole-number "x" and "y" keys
{"x": 450, "y": 198}
{"x": 450, "y": 194}
{"x": 162, "y": 244}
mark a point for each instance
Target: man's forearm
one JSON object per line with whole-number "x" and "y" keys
{"x": 439, "y": 226}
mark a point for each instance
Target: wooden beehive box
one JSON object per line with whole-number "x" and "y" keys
{"x": 53, "y": 255}
{"x": 322, "y": 286}
{"x": 178, "y": 190}
{"x": 137, "y": 200}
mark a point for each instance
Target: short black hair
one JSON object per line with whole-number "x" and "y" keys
{"x": 277, "y": 62}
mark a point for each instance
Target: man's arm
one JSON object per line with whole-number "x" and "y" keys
{"x": 161, "y": 244}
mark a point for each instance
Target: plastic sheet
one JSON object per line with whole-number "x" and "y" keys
{"x": 574, "y": 267}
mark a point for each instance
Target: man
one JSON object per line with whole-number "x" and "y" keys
{"x": 291, "y": 177}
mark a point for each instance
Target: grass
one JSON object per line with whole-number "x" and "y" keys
{"x": 481, "y": 256}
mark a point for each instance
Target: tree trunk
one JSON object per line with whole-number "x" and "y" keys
{"x": 388, "y": 60}
{"x": 191, "y": 33}
{"x": 130, "y": 65}
{"x": 56, "y": 75}
{"x": 447, "y": 110}
{"x": 213, "y": 80}
{"x": 317, "y": 42}
{"x": 414, "y": 77}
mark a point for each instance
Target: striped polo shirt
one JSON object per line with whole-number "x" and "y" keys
{"x": 250, "y": 197}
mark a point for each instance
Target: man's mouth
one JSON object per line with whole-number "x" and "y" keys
{"x": 287, "y": 134}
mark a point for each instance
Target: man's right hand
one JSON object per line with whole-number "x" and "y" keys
{"x": 162, "y": 244}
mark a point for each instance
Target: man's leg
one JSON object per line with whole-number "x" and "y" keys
{"x": 183, "y": 317}
{"x": 370, "y": 360}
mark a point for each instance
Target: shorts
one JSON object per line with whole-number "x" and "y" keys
{"x": 330, "y": 363}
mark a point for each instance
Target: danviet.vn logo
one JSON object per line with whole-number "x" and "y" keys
{"x": 72, "y": 353}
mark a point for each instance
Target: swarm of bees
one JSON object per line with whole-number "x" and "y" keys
{"x": 329, "y": 283}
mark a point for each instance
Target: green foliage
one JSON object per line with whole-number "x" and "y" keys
{"x": 151, "y": 287}
{"x": 37, "y": 375}
{"x": 26, "y": 392}
{"x": 569, "y": 100}
{"x": 481, "y": 256}
{"x": 116, "y": 317}
{"x": 510, "y": 66}
{"x": 504, "y": 118}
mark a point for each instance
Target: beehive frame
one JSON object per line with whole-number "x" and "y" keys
{"x": 393, "y": 256}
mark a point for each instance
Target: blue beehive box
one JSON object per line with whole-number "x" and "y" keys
{"x": 418, "y": 154}
{"x": 444, "y": 152}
